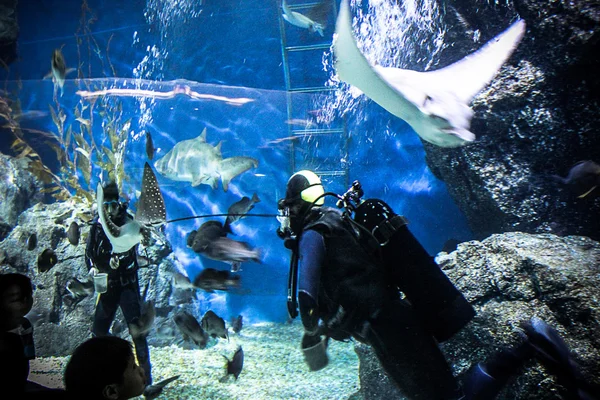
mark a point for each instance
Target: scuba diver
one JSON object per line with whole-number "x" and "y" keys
{"x": 361, "y": 274}
{"x": 122, "y": 285}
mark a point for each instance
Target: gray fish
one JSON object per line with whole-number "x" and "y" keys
{"x": 240, "y": 208}
{"x": 153, "y": 391}
{"x": 117, "y": 327}
{"x": 79, "y": 289}
{"x": 180, "y": 281}
{"x": 210, "y": 241}
{"x": 214, "y": 325}
{"x": 74, "y": 233}
{"x": 583, "y": 179}
{"x": 237, "y": 323}
{"x": 46, "y": 260}
{"x": 232, "y": 252}
{"x": 37, "y": 317}
{"x": 198, "y": 162}
{"x": 211, "y": 279}
{"x": 149, "y": 146}
{"x": 234, "y": 367}
{"x": 190, "y": 328}
{"x": 32, "y": 242}
{"x": 59, "y": 71}
{"x": 140, "y": 327}
{"x": 150, "y": 212}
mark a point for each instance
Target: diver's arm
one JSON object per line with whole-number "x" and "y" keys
{"x": 312, "y": 253}
{"x": 90, "y": 254}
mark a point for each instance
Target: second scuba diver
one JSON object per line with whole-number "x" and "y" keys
{"x": 347, "y": 278}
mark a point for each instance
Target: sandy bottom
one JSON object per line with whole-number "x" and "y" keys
{"x": 273, "y": 368}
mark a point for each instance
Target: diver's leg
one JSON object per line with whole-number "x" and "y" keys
{"x": 106, "y": 308}
{"x": 130, "y": 305}
{"x": 410, "y": 355}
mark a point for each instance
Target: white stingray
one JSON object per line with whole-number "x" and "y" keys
{"x": 436, "y": 103}
{"x": 123, "y": 237}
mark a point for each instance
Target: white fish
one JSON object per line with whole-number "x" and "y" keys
{"x": 436, "y": 103}
{"x": 315, "y": 24}
{"x": 198, "y": 162}
{"x": 58, "y": 71}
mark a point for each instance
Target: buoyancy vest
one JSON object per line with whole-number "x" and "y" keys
{"x": 350, "y": 276}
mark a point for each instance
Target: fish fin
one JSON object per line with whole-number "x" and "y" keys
{"x": 255, "y": 198}
{"x": 468, "y": 76}
{"x": 231, "y": 167}
{"x": 151, "y": 208}
{"x": 202, "y": 136}
{"x": 48, "y": 75}
{"x": 586, "y": 193}
{"x": 70, "y": 70}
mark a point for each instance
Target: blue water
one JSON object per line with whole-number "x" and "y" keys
{"x": 230, "y": 49}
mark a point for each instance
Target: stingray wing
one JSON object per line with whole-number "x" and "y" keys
{"x": 151, "y": 208}
{"x": 352, "y": 67}
{"x": 468, "y": 76}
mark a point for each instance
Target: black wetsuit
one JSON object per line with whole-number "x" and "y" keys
{"x": 123, "y": 287}
{"x": 336, "y": 270}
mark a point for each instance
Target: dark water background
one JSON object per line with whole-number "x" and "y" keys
{"x": 227, "y": 48}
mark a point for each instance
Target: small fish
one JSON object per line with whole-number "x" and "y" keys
{"x": 234, "y": 367}
{"x": 140, "y": 326}
{"x": 153, "y": 391}
{"x": 314, "y": 20}
{"x": 583, "y": 179}
{"x": 210, "y": 241}
{"x": 240, "y": 209}
{"x": 149, "y": 146}
{"x": 46, "y": 260}
{"x": 37, "y": 317}
{"x": 211, "y": 279}
{"x": 190, "y": 328}
{"x": 32, "y": 242}
{"x": 237, "y": 323}
{"x": 74, "y": 233}
{"x": 79, "y": 289}
{"x": 214, "y": 325}
{"x": 180, "y": 281}
{"x": 58, "y": 71}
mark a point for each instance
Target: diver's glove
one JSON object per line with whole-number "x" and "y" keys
{"x": 314, "y": 349}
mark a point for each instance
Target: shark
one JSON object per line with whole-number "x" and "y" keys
{"x": 434, "y": 103}
{"x": 314, "y": 21}
{"x": 151, "y": 212}
{"x": 198, "y": 162}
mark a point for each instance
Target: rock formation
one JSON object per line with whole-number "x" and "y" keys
{"x": 510, "y": 278}
{"x": 538, "y": 118}
{"x": 9, "y": 31}
{"x": 60, "y": 323}
{"x": 19, "y": 190}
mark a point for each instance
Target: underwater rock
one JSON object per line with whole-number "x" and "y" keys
{"x": 19, "y": 189}
{"x": 536, "y": 119}
{"x": 69, "y": 323}
{"x": 9, "y": 31}
{"x": 509, "y": 278}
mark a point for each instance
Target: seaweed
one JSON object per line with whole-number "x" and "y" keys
{"x": 72, "y": 140}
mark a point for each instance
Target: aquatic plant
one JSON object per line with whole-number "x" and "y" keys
{"x": 72, "y": 140}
